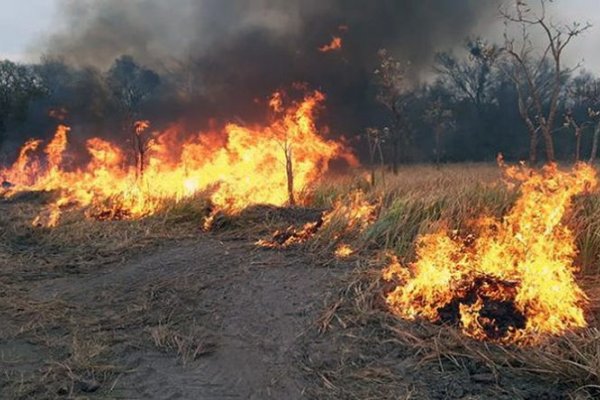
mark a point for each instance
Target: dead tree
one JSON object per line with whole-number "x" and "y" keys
{"x": 143, "y": 142}
{"x": 289, "y": 171}
{"x": 132, "y": 86}
{"x": 591, "y": 96}
{"x": 571, "y": 122}
{"x": 470, "y": 78}
{"x": 595, "y": 114}
{"x": 393, "y": 91}
{"x": 441, "y": 120}
{"x": 538, "y": 112}
{"x": 584, "y": 92}
{"x": 375, "y": 139}
{"x": 286, "y": 143}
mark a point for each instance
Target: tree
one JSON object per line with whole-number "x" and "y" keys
{"x": 441, "y": 120}
{"x": 19, "y": 85}
{"x": 375, "y": 138}
{"x": 470, "y": 78}
{"x": 526, "y": 69}
{"x": 582, "y": 99}
{"x": 132, "y": 85}
{"x": 143, "y": 142}
{"x": 286, "y": 141}
{"x": 82, "y": 92}
{"x": 393, "y": 93}
{"x": 571, "y": 122}
{"x": 586, "y": 91}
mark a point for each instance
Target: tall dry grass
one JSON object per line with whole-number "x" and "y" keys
{"x": 418, "y": 200}
{"x": 415, "y": 201}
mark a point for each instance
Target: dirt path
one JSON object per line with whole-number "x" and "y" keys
{"x": 248, "y": 309}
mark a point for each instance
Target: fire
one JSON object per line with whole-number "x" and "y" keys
{"x": 351, "y": 214}
{"x": 334, "y": 45}
{"x": 344, "y": 251}
{"x": 239, "y": 166}
{"x": 508, "y": 280}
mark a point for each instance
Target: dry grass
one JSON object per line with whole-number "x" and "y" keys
{"x": 79, "y": 339}
{"x": 376, "y": 355}
{"x": 371, "y": 341}
{"x": 380, "y": 356}
{"x": 76, "y": 340}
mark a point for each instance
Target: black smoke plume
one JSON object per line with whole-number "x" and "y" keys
{"x": 230, "y": 52}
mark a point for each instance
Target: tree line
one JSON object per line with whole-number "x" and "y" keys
{"x": 516, "y": 97}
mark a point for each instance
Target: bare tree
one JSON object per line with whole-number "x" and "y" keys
{"x": 287, "y": 145}
{"x": 586, "y": 90}
{"x": 143, "y": 142}
{"x": 470, "y": 78}
{"x": 393, "y": 93}
{"x": 580, "y": 93}
{"x": 132, "y": 85}
{"x": 571, "y": 122}
{"x": 289, "y": 170}
{"x": 375, "y": 139}
{"x": 441, "y": 120}
{"x": 595, "y": 114}
{"x": 538, "y": 113}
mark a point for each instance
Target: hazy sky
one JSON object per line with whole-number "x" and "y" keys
{"x": 23, "y": 23}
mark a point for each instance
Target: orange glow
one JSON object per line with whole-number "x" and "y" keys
{"x": 343, "y": 251}
{"x": 350, "y": 214}
{"x": 509, "y": 280}
{"x": 237, "y": 167}
{"x": 334, "y": 45}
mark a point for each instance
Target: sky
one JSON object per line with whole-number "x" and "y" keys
{"x": 24, "y": 24}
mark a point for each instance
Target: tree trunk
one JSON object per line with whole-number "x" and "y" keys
{"x": 142, "y": 162}
{"x": 595, "y": 143}
{"x": 548, "y": 144}
{"x": 289, "y": 169}
{"x": 533, "y": 142}
{"x": 382, "y": 162}
{"x": 140, "y": 156}
{"x": 438, "y": 145}
{"x": 577, "y": 144}
{"x": 395, "y": 143}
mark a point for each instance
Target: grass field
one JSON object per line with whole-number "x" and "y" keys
{"x": 357, "y": 350}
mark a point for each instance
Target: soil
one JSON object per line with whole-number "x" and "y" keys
{"x": 253, "y": 307}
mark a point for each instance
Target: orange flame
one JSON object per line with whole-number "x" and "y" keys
{"x": 141, "y": 126}
{"x": 334, "y": 45}
{"x": 510, "y": 280}
{"x": 343, "y": 251}
{"x": 354, "y": 213}
{"x": 240, "y": 166}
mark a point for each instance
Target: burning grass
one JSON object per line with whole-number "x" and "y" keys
{"x": 508, "y": 280}
{"x": 238, "y": 167}
{"x": 423, "y": 201}
{"x": 378, "y": 355}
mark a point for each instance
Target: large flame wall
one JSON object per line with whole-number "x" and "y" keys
{"x": 240, "y": 166}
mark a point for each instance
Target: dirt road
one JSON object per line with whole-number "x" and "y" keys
{"x": 203, "y": 319}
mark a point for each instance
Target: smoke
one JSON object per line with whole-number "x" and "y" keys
{"x": 235, "y": 51}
